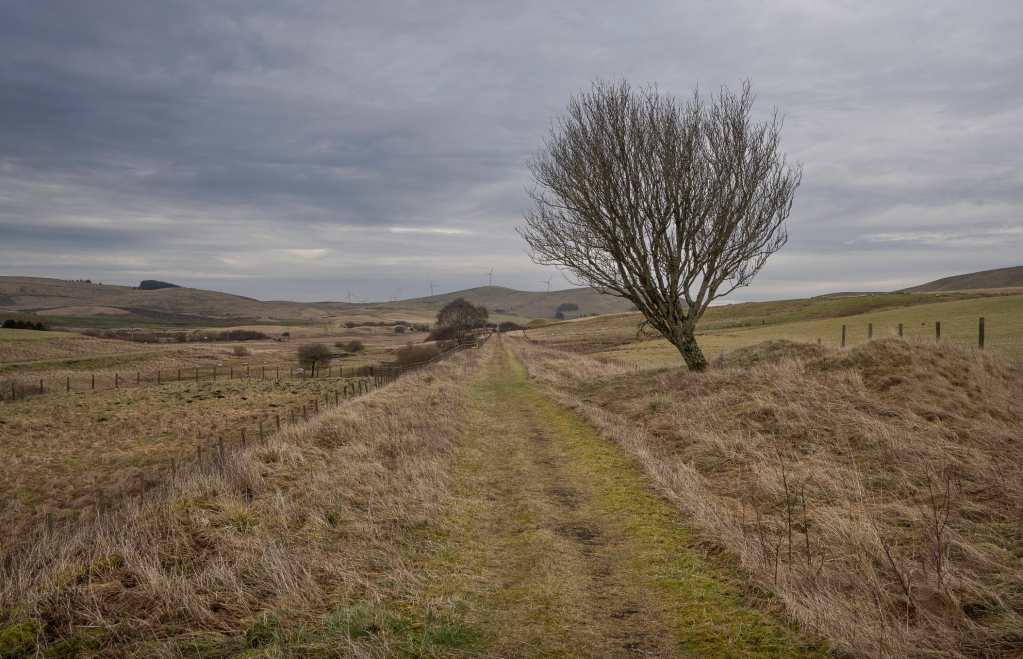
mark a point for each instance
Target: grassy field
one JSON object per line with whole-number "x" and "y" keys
{"x": 877, "y": 490}
{"x": 615, "y": 337}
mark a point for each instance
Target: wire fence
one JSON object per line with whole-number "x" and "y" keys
{"x": 213, "y": 457}
{"x": 20, "y": 388}
{"x": 980, "y": 334}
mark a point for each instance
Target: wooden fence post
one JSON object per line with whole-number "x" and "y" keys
{"x": 197, "y": 376}
{"x": 198, "y": 453}
{"x": 220, "y": 444}
{"x": 292, "y": 416}
{"x": 138, "y": 378}
{"x": 277, "y": 417}
{"x": 157, "y": 376}
{"x": 316, "y": 406}
{"x": 231, "y": 376}
{"x": 304, "y": 416}
{"x": 243, "y": 437}
{"x": 870, "y": 331}
{"x": 40, "y": 387}
{"x": 937, "y": 331}
{"x": 93, "y": 380}
{"x": 843, "y": 336}
{"x": 260, "y": 432}
{"x": 246, "y": 372}
{"x": 117, "y": 382}
{"x": 142, "y": 483}
{"x": 980, "y": 335}
{"x": 335, "y": 398}
{"x": 179, "y": 375}
{"x": 69, "y": 383}
{"x": 900, "y": 330}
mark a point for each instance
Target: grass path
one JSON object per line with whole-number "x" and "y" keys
{"x": 559, "y": 548}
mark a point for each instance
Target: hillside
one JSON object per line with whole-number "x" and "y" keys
{"x": 56, "y": 298}
{"x": 526, "y": 304}
{"x": 986, "y": 279}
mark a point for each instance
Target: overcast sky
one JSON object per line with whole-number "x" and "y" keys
{"x": 297, "y": 150}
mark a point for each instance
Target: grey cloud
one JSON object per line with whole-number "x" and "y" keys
{"x": 180, "y": 130}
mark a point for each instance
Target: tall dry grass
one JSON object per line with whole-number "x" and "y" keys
{"x": 878, "y": 491}
{"x": 323, "y": 516}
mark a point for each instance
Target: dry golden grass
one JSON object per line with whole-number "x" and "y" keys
{"x": 877, "y": 490}
{"x": 322, "y": 522}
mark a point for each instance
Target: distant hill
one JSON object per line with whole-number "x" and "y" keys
{"x": 1000, "y": 278}
{"x": 59, "y": 298}
{"x": 528, "y": 304}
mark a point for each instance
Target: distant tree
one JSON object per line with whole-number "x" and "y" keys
{"x": 313, "y": 354}
{"x": 461, "y": 318}
{"x": 400, "y": 329}
{"x": 667, "y": 204}
{"x": 568, "y": 306}
{"x": 559, "y": 316}
{"x": 350, "y": 324}
{"x": 355, "y": 345}
{"x": 152, "y": 285}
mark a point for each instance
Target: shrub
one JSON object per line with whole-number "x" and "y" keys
{"x": 355, "y": 345}
{"x": 509, "y": 326}
{"x": 399, "y": 329}
{"x": 442, "y": 334}
{"x": 350, "y": 324}
{"x": 421, "y": 327}
{"x": 241, "y": 351}
{"x": 23, "y": 324}
{"x": 417, "y": 354}
{"x": 559, "y": 316}
{"x": 568, "y": 306}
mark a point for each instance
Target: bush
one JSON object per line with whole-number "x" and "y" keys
{"x": 509, "y": 326}
{"x": 350, "y": 324}
{"x": 568, "y": 306}
{"x": 421, "y": 327}
{"x": 399, "y": 329}
{"x": 23, "y": 324}
{"x": 241, "y": 351}
{"x": 559, "y": 316}
{"x": 239, "y": 335}
{"x": 418, "y": 354}
{"x": 355, "y": 345}
{"x": 442, "y": 334}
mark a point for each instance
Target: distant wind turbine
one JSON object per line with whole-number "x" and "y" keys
{"x": 349, "y": 298}
{"x": 491, "y": 275}
{"x": 548, "y": 282}
{"x": 430, "y": 287}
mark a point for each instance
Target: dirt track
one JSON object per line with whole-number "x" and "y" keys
{"x": 562, "y": 550}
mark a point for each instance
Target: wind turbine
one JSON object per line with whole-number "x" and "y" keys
{"x": 548, "y": 282}
{"x": 349, "y": 298}
{"x": 491, "y": 275}
{"x": 430, "y": 287}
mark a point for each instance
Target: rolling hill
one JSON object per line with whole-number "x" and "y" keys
{"x": 986, "y": 279}
{"x": 55, "y": 298}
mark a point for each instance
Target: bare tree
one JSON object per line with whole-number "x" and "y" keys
{"x": 313, "y": 353}
{"x": 667, "y": 204}
{"x": 459, "y": 319}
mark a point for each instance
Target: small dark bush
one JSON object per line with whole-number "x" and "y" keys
{"x": 350, "y": 324}
{"x": 23, "y": 324}
{"x": 399, "y": 329}
{"x": 241, "y": 351}
{"x": 509, "y": 326}
{"x": 559, "y": 316}
{"x": 421, "y": 327}
{"x": 443, "y": 334}
{"x": 568, "y": 306}
{"x": 355, "y": 345}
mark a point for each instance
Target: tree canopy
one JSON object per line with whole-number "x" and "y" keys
{"x": 665, "y": 203}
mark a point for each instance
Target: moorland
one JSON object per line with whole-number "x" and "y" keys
{"x": 565, "y": 490}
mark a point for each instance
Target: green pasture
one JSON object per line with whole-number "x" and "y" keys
{"x": 1003, "y": 317}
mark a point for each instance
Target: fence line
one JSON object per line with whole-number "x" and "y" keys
{"x": 214, "y": 456}
{"x": 980, "y": 334}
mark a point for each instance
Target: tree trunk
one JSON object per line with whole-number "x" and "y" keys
{"x": 690, "y": 350}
